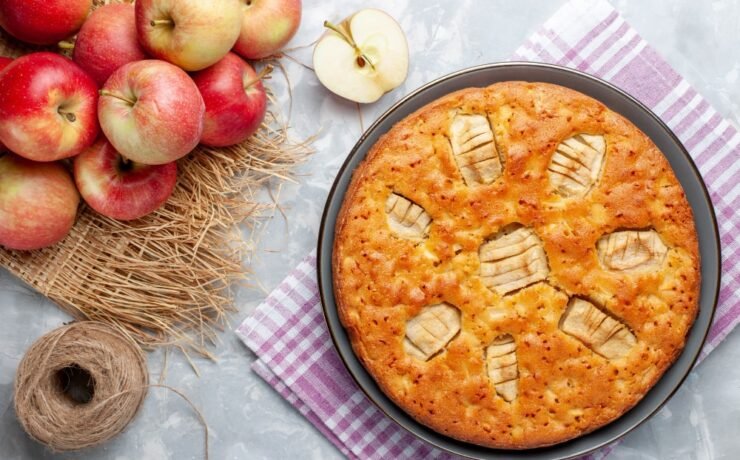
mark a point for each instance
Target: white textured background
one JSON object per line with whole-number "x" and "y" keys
{"x": 699, "y": 38}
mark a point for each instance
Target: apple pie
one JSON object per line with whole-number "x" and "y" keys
{"x": 516, "y": 265}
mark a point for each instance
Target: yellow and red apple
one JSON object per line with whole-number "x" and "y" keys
{"x": 267, "y": 26}
{"x": 38, "y": 203}
{"x": 119, "y": 188}
{"x": 43, "y": 22}
{"x": 107, "y": 41}
{"x": 47, "y": 107}
{"x": 192, "y": 34}
{"x": 4, "y": 61}
{"x": 235, "y": 101}
{"x": 152, "y": 112}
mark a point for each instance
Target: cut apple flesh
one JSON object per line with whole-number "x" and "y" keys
{"x": 600, "y": 332}
{"x": 631, "y": 249}
{"x": 514, "y": 258}
{"x": 405, "y": 218}
{"x": 369, "y": 61}
{"x": 502, "y": 367}
{"x": 474, "y": 148}
{"x": 380, "y": 37}
{"x": 576, "y": 164}
{"x": 431, "y": 330}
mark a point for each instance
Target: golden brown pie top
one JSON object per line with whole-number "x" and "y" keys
{"x": 516, "y": 265}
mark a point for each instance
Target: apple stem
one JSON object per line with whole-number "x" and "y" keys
{"x": 261, "y": 75}
{"x": 71, "y": 117}
{"x": 65, "y": 45}
{"x": 161, "y": 22}
{"x": 125, "y": 164}
{"x": 104, "y": 92}
{"x": 351, "y": 41}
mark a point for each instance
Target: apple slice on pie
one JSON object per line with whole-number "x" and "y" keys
{"x": 512, "y": 259}
{"x": 431, "y": 330}
{"x": 576, "y": 164}
{"x": 502, "y": 367}
{"x": 406, "y": 218}
{"x": 631, "y": 249}
{"x": 474, "y": 148}
{"x": 599, "y": 331}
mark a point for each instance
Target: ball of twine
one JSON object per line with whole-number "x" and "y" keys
{"x": 80, "y": 385}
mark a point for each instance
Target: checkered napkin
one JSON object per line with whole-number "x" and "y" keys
{"x": 288, "y": 332}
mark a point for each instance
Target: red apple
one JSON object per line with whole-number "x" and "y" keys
{"x": 43, "y": 22}
{"x": 235, "y": 101}
{"x": 192, "y": 34}
{"x": 267, "y": 26}
{"x": 47, "y": 107}
{"x": 119, "y": 188}
{"x": 4, "y": 61}
{"x": 107, "y": 41}
{"x": 152, "y": 112}
{"x": 38, "y": 203}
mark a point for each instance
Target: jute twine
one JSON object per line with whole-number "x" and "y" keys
{"x": 115, "y": 376}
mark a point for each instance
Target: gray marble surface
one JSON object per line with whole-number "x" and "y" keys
{"x": 246, "y": 417}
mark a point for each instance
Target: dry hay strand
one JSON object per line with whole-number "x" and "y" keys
{"x": 166, "y": 279}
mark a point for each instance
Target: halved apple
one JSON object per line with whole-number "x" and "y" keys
{"x": 363, "y": 57}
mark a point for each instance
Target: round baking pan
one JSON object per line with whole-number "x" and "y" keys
{"x": 685, "y": 170}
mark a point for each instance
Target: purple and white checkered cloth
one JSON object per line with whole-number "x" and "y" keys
{"x": 288, "y": 332}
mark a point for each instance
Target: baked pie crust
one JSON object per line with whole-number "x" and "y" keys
{"x": 516, "y": 265}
